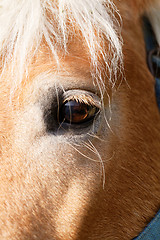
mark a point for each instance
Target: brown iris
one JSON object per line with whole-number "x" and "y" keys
{"x": 75, "y": 112}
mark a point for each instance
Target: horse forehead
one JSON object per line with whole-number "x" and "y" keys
{"x": 52, "y": 30}
{"x": 71, "y": 70}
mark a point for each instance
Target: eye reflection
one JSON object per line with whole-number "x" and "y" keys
{"x": 75, "y": 112}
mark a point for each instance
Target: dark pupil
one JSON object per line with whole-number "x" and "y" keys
{"x": 75, "y": 112}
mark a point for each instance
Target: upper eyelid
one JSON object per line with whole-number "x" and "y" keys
{"x": 82, "y": 96}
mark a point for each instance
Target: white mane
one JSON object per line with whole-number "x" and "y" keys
{"x": 23, "y": 24}
{"x": 154, "y": 17}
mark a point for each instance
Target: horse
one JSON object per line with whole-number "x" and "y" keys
{"x": 79, "y": 121}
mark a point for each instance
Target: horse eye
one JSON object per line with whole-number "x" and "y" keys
{"x": 74, "y": 112}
